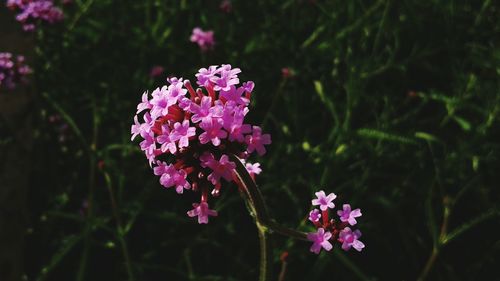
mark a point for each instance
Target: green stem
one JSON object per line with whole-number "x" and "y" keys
{"x": 381, "y": 26}
{"x": 466, "y": 226}
{"x": 285, "y": 231}
{"x": 67, "y": 118}
{"x": 84, "y": 9}
{"x": 119, "y": 227}
{"x": 251, "y": 190}
{"x": 429, "y": 264}
{"x": 259, "y": 211}
{"x": 92, "y": 174}
{"x": 265, "y": 253}
{"x": 89, "y": 220}
{"x": 282, "y": 275}
{"x": 262, "y": 219}
{"x": 257, "y": 204}
{"x": 480, "y": 15}
{"x": 360, "y": 21}
{"x": 436, "y": 248}
{"x": 352, "y": 266}
{"x": 276, "y": 97}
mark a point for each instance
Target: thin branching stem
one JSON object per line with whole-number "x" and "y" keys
{"x": 263, "y": 221}
{"x": 119, "y": 226}
{"x": 92, "y": 175}
{"x": 439, "y": 242}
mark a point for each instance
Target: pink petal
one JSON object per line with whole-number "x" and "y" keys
{"x": 358, "y": 245}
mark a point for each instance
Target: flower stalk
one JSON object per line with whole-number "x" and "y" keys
{"x": 263, "y": 221}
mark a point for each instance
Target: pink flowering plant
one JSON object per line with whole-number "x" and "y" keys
{"x": 204, "y": 39}
{"x": 13, "y": 70}
{"x": 32, "y": 11}
{"x": 189, "y": 135}
{"x": 197, "y": 140}
{"x": 330, "y": 230}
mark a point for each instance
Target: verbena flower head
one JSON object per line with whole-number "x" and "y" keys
{"x": 13, "y": 70}
{"x": 187, "y": 134}
{"x": 331, "y": 231}
{"x": 204, "y": 39}
{"x": 31, "y": 11}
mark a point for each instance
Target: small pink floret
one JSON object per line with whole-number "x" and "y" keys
{"x": 202, "y": 211}
{"x": 324, "y": 201}
{"x": 349, "y": 239}
{"x": 346, "y": 215}
{"x": 314, "y": 215}
{"x": 253, "y": 168}
{"x": 256, "y": 141}
{"x": 320, "y": 240}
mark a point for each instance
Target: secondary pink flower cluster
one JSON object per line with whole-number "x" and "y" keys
{"x": 330, "y": 230}
{"x": 32, "y": 10}
{"x": 12, "y": 70}
{"x": 188, "y": 134}
{"x": 204, "y": 39}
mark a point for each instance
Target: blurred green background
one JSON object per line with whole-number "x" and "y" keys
{"x": 392, "y": 105}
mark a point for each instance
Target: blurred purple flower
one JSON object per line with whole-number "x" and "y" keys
{"x": 204, "y": 39}
{"x": 156, "y": 71}
{"x": 287, "y": 72}
{"x": 12, "y": 70}
{"x": 31, "y": 11}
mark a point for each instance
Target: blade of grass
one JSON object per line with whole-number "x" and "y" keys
{"x": 384, "y": 136}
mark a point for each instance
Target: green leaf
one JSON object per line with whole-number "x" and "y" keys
{"x": 306, "y": 146}
{"x": 384, "y": 136}
{"x": 468, "y": 225}
{"x": 464, "y": 124}
{"x": 164, "y": 36}
{"x": 66, "y": 246}
{"x": 327, "y": 102}
{"x": 427, "y": 137}
{"x": 313, "y": 36}
{"x": 431, "y": 218}
{"x": 68, "y": 119}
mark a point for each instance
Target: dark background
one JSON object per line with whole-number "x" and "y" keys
{"x": 392, "y": 105}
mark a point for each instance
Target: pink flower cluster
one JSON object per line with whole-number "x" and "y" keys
{"x": 329, "y": 230}
{"x": 12, "y": 71}
{"x": 188, "y": 134}
{"x": 204, "y": 39}
{"x": 32, "y": 10}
